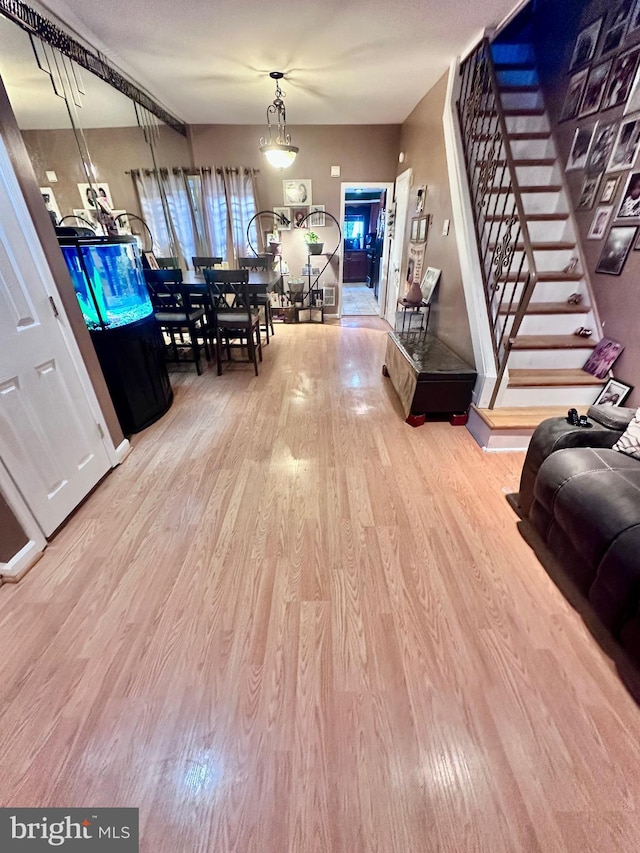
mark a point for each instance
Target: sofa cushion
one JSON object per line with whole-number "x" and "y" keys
{"x": 629, "y": 441}
{"x": 614, "y": 417}
{"x": 593, "y": 495}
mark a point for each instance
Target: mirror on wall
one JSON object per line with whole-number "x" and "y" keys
{"x": 84, "y": 137}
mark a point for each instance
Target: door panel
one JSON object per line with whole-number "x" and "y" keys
{"x": 49, "y": 440}
{"x": 403, "y": 184}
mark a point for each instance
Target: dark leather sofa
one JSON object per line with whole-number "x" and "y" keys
{"x": 583, "y": 499}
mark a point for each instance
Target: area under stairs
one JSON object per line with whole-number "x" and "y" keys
{"x": 544, "y": 367}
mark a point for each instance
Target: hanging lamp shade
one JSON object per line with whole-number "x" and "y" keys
{"x": 280, "y": 153}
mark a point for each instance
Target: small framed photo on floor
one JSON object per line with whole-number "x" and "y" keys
{"x": 614, "y": 393}
{"x": 616, "y": 249}
{"x": 602, "y": 358}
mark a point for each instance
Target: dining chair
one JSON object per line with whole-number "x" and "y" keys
{"x": 176, "y": 314}
{"x": 234, "y": 316}
{"x": 261, "y": 299}
{"x": 168, "y": 263}
{"x": 201, "y": 263}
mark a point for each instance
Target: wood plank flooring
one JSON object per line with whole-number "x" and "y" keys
{"x": 291, "y": 623}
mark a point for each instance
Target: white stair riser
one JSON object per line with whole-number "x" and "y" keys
{"x": 545, "y": 202}
{"x": 554, "y": 324}
{"x": 551, "y": 291}
{"x": 562, "y": 396}
{"x": 527, "y": 124}
{"x": 523, "y": 149}
{"x": 545, "y": 232}
{"x": 548, "y": 359}
{"x": 512, "y": 53}
{"x": 521, "y": 100}
{"x": 545, "y": 261}
{"x": 531, "y": 176}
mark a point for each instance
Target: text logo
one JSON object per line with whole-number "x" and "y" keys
{"x": 36, "y": 830}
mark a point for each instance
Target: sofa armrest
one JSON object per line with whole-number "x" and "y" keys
{"x": 613, "y": 417}
{"x": 556, "y": 434}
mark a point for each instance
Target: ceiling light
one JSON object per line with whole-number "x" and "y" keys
{"x": 279, "y": 152}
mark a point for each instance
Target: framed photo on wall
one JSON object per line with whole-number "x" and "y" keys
{"x": 588, "y": 192}
{"x": 298, "y": 215}
{"x": 88, "y": 194}
{"x": 625, "y": 148}
{"x": 586, "y": 44}
{"x": 634, "y": 18}
{"x": 285, "y": 213}
{"x": 617, "y": 28}
{"x": 614, "y": 393}
{"x": 603, "y": 141}
{"x": 574, "y": 94}
{"x": 609, "y": 190}
{"x": 316, "y": 216}
{"x": 616, "y": 250}
{"x": 297, "y": 192}
{"x": 621, "y": 79}
{"x": 599, "y": 222}
{"x": 51, "y": 204}
{"x": 580, "y": 148}
{"x": 594, "y": 89}
{"x": 630, "y": 203}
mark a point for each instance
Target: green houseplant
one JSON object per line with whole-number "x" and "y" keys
{"x": 314, "y": 244}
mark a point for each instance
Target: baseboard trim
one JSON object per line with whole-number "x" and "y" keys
{"x": 123, "y": 450}
{"x": 21, "y": 563}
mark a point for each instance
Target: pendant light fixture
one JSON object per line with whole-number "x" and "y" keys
{"x": 280, "y": 153}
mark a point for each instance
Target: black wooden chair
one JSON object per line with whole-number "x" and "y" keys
{"x": 168, "y": 263}
{"x": 201, "y": 263}
{"x": 261, "y": 299}
{"x": 176, "y": 314}
{"x": 236, "y": 322}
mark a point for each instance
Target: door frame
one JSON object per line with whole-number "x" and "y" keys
{"x": 367, "y": 185}
{"x": 405, "y": 177}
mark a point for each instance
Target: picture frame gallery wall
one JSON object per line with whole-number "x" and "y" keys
{"x": 588, "y": 59}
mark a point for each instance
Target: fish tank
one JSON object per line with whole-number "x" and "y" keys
{"x": 108, "y": 280}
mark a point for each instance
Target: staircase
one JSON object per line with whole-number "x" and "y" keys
{"x": 537, "y": 294}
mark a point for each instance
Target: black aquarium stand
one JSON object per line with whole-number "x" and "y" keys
{"x": 134, "y": 367}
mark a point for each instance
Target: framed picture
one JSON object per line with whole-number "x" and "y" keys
{"x": 429, "y": 281}
{"x": 329, "y": 295}
{"x": 603, "y": 141}
{"x": 414, "y": 230}
{"x": 617, "y": 27}
{"x": 89, "y": 217}
{"x": 616, "y": 249}
{"x": 298, "y": 215}
{"x": 594, "y": 89}
{"x": 599, "y": 222}
{"x": 150, "y": 258}
{"x": 574, "y": 94}
{"x": 122, "y": 221}
{"x": 630, "y": 203}
{"x": 423, "y": 228}
{"x": 415, "y": 263}
{"x": 588, "y": 192}
{"x": 50, "y": 203}
{"x": 601, "y": 359}
{"x": 625, "y": 148}
{"x": 317, "y": 298}
{"x": 297, "y": 192}
{"x": 285, "y": 213}
{"x": 586, "y": 44}
{"x": 609, "y": 190}
{"x": 580, "y": 148}
{"x": 621, "y": 79}
{"x": 89, "y": 193}
{"x": 316, "y": 218}
{"x": 614, "y": 393}
{"x": 634, "y": 18}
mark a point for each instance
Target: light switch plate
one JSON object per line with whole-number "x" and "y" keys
{"x": 52, "y": 177}
{"x": 445, "y": 227}
{"x": 335, "y": 171}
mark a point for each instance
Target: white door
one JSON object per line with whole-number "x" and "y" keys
{"x": 50, "y": 441}
{"x": 403, "y": 185}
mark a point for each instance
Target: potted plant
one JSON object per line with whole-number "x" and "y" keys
{"x": 314, "y": 244}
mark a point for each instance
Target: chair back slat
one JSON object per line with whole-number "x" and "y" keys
{"x": 255, "y": 263}
{"x": 201, "y": 263}
{"x": 168, "y": 263}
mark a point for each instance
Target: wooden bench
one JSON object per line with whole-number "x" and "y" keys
{"x": 428, "y": 377}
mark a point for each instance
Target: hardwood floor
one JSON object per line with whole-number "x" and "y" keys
{"x": 291, "y": 623}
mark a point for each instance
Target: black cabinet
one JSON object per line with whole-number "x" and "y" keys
{"x": 355, "y": 266}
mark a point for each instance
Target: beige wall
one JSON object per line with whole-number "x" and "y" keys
{"x": 364, "y": 153}
{"x": 422, "y": 140}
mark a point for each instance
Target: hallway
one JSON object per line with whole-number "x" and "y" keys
{"x": 358, "y": 300}
{"x": 290, "y": 623}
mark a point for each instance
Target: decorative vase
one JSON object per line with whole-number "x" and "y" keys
{"x": 315, "y": 248}
{"x": 414, "y": 296}
{"x": 275, "y": 248}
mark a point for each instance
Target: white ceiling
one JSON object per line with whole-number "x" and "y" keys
{"x": 345, "y": 61}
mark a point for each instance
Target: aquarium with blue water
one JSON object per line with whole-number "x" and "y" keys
{"x": 108, "y": 280}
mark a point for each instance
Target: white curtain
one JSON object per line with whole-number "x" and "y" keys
{"x": 242, "y": 206}
{"x": 153, "y": 213}
{"x": 181, "y": 214}
{"x": 214, "y": 205}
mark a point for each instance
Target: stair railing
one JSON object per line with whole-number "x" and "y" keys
{"x": 504, "y": 244}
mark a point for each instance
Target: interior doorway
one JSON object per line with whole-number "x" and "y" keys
{"x": 365, "y": 247}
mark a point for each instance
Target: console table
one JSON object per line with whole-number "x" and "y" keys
{"x": 428, "y": 377}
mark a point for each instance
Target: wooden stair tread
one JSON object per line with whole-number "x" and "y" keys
{"x": 546, "y": 275}
{"x": 549, "y": 308}
{"x": 519, "y": 162}
{"x": 523, "y": 417}
{"x": 538, "y": 217}
{"x": 524, "y": 135}
{"x": 543, "y": 247}
{"x": 527, "y": 378}
{"x": 523, "y": 342}
{"x": 533, "y": 188}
